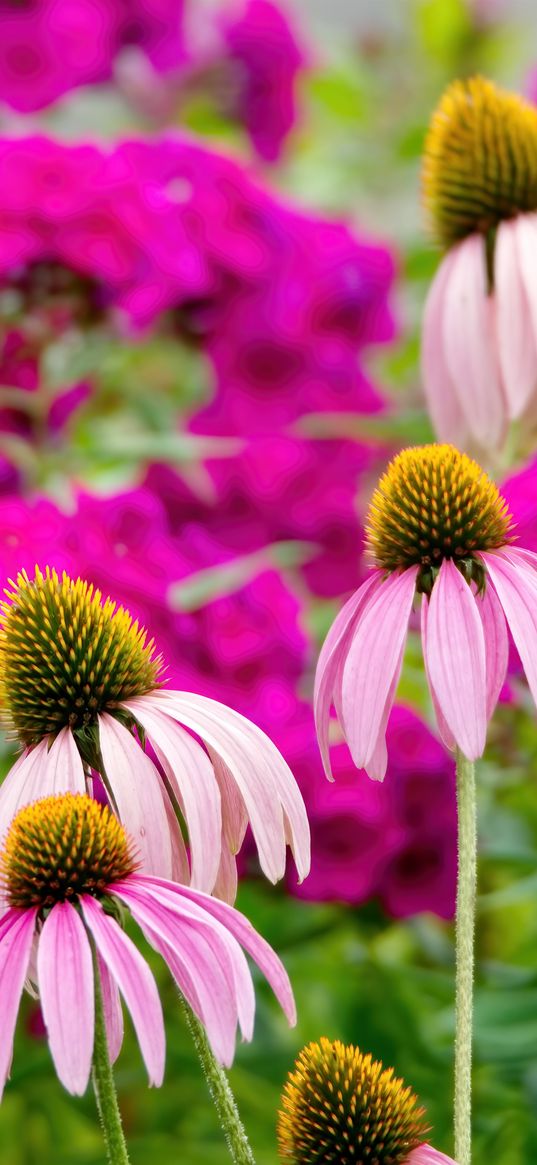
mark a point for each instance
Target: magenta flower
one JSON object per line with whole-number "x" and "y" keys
{"x": 437, "y": 527}
{"x": 479, "y": 352}
{"x": 90, "y": 697}
{"x": 66, "y": 866}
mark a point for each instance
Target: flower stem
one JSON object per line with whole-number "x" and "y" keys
{"x": 219, "y": 1088}
{"x": 103, "y": 1084}
{"x": 464, "y": 975}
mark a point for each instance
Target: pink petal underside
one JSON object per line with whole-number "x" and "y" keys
{"x": 113, "y": 1012}
{"x": 212, "y": 958}
{"x": 441, "y": 394}
{"x": 180, "y": 864}
{"x": 259, "y": 950}
{"x": 191, "y": 777}
{"x": 378, "y": 761}
{"x": 443, "y": 728}
{"x": 426, "y": 1155}
{"x": 16, "y": 937}
{"x": 234, "y": 814}
{"x": 138, "y": 794}
{"x": 516, "y": 341}
{"x": 331, "y": 659}
{"x": 33, "y": 775}
{"x": 135, "y": 982}
{"x": 65, "y": 979}
{"x": 516, "y": 587}
{"x": 250, "y": 757}
{"x": 470, "y": 344}
{"x": 456, "y": 659}
{"x": 496, "y": 645}
{"x": 372, "y": 660}
{"x": 526, "y": 239}
{"x": 226, "y": 883}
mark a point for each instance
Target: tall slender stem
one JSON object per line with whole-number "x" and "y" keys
{"x": 220, "y": 1090}
{"x": 464, "y": 975}
{"x": 103, "y": 1084}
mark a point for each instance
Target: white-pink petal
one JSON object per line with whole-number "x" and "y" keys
{"x": 526, "y": 238}
{"x": 135, "y": 982}
{"x": 441, "y": 394}
{"x": 443, "y": 728}
{"x": 426, "y": 1155}
{"x": 16, "y": 937}
{"x": 456, "y": 660}
{"x": 516, "y": 588}
{"x": 516, "y": 340}
{"x": 496, "y": 645}
{"x": 331, "y": 659}
{"x": 113, "y": 1012}
{"x": 65, "y": 979}
{"x": 39, "y": 772}
{"x": 138, "y": 793}
{"x": 470, "y": 344}
{"x": 370, "y": 671}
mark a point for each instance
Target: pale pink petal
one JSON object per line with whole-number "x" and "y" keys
{"x": 441, "y": 394}
{"x": 188, "y": 770}
{"x": 516, "y": 589}
{"x": 65, "y": 978}
{"x": 496, "y": 645}
{"x": 259, "y": 950}
{"x": 226, "y": 883}
{"x": 113, "y": 1012}
{"x": 378, "y": 761}
{"x": 426, "y": 1155}
{"x": 180, "y": 864}
{"x": 443, "y": 728}
{"x": 24, "y": 783}
{"x": 138, "y": 794}
{"x": 16, "y": 937}
{"x": 456, "y": 660}
{"x": 526, "y": 239}
{"x": 234, "y": 814}
{"x": 373, "y": 657}
{"x": 331, "y": 660}
{"x": 135, "y": 982}
{"x": 516, "y": 341}
{"x": 470, "y": 344}
{"x": 204, "y": 950}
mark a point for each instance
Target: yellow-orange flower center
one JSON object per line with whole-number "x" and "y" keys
{"x": 480, "y": 160}
{"x": 65, "y": 655}
{"x": 432, "y": 503}
{"x": 342, "y": 1106}
{"x": 60, "y": 847}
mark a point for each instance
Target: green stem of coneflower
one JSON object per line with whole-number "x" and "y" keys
{"x": 219, "y": 1088}
{"x": 464, "y": 976}
{"x": 103, "y": 1083}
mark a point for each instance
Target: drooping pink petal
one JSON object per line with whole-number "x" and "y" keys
{"x": 226, "y": 883}
{"x": 135, "y": 982}
{"x": 516, "y": 588}
{"x": 526, "y": 239}
{"x": 113, "y": 1012}
{"x": 65, "y": 978}
{"x": 426, "y": 1155}
{"x": 331, "y": 660}
{"x": 456, "y": 659}
{"x": 370, "y": 668}
{"x": 138, "y": 793}
{"x": 234, "y": 814}
{"x": 516, "y": 340}
{"x": 378, "y": 761}
{"x": 470, "y": 343}
{"x": 24, "y": 783}
{"x": 191, "y": 775}
{"x": 496, "y": 645}
{"x": 260, "y": 951}
{"x": 443, "y": 728}
{"x": 16, "y": 937}
{"x": 441, "y": 394}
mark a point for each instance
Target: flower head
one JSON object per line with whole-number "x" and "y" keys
{"x": 437, "y": 526}
{"x": 81, "y": 688}
{"x": 68, "y": 871}
{"x": 479, "y": 352}
{"x": 341, "y": 1105}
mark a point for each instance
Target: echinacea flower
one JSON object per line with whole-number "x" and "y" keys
{"x": 480, "y": 325}
{"x": 437, "y": 527}
{"x": 68, "y": 871}
{"x": 81, "y": 689}
{"x": 341, "y": 1105}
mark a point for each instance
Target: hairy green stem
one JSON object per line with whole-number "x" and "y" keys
{"x": 103, "y": 1084}
{"x": 464, "y": 975}
{"x": 219, "y": 1088}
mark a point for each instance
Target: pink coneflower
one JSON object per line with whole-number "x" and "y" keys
{"x": 439, "y": 528}
{"x": 68, "y": 871}
{"x": 81, "y": 689}
{"x": 479, "y": 351}
{"x": 341, "y": 1105}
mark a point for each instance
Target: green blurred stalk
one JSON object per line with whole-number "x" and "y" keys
{"x": 220, "y": 1090}
{"x": 464, "y": 956}
{"x": 103, "y": 1084}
